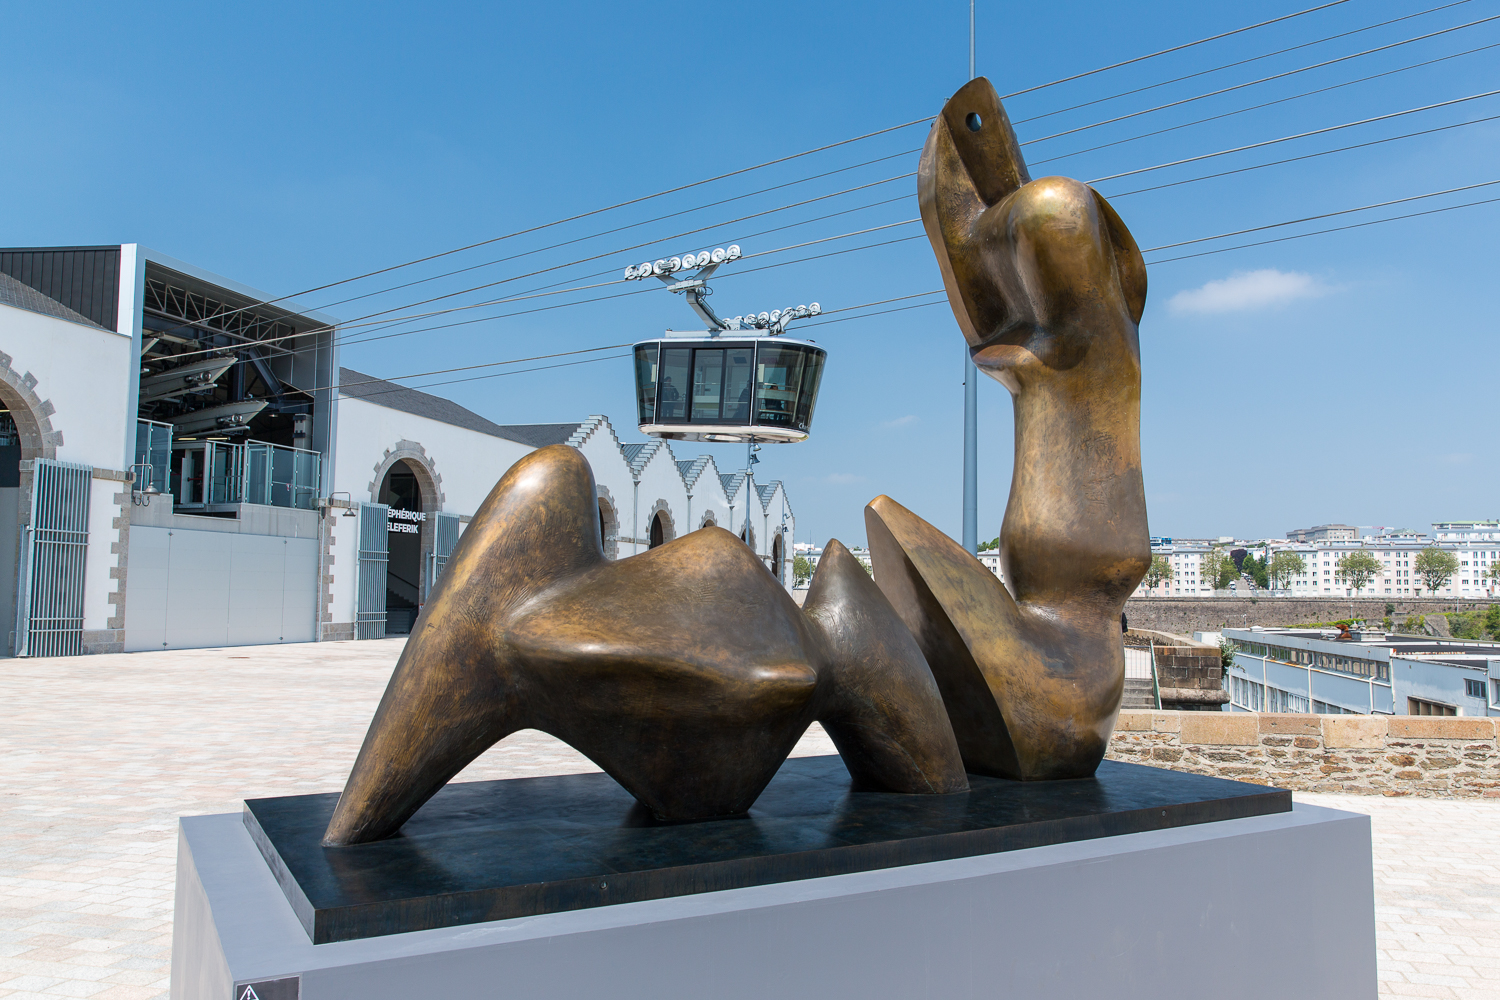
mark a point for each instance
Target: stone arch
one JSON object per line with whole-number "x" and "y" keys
{"x": 609, "y": 524}
{"x": 429, "y": 484}
{"x": 429, "y": 480}
{"x": 708, "y": 520}
{"x": 32, "y": 414}
{"x": 747, "y": 534}
{"x": 660, "y": 526}
{"x": 778, "y": 557}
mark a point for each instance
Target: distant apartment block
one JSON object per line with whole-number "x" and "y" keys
{"x": 1324, "y": 533}
{"x": 1475, "y": 544}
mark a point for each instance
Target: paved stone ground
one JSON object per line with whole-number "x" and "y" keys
{"x": 101, "y": 754}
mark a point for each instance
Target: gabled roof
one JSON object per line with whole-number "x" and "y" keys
{"x": 23, "y": 296}
{"x": 357, "y": 385}
{"x": 638, "y": 456}
{"x": 732, "y": 482}
{"x": 540, "y": 435}
{"x": 692, "y": 469}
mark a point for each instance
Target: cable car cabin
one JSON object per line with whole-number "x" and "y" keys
{"x": 699, "y": 387}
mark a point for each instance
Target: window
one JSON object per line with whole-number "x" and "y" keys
{"x": 1418, "y": 706}
{"x": 1473, "y": 688}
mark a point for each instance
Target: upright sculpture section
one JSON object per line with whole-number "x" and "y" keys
{"x": 1048, "y": 287}
{"x": 688, "y": 673}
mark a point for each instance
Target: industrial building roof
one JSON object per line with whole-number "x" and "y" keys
{"x": 21, "y": 295}
{"x": 398, "y": 397}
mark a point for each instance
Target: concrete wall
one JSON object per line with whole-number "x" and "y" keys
{"x": 468, "y": 463}
{"x": 1396, "y": 755}
{"x": 74, "y": 413}
{"x": 1189, "y": 615}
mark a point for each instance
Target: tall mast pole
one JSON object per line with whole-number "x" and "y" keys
{"x": 971, "y": 404}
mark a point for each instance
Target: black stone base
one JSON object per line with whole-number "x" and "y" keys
{"x": 488, "y": 850}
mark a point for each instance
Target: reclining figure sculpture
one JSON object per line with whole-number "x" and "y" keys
{"x": 688, "y": 673}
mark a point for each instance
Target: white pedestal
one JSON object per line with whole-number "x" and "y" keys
{"x": 1265, "y": 907}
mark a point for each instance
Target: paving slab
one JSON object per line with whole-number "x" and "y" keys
{"x": 103, "y": 753}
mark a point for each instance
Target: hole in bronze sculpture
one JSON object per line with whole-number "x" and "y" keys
{"x": 687, "y": 672}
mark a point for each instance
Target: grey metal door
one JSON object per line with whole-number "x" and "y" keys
{"x": 445, "y": 530}
{"x": 49, "y": 606}
{"x": 374, "y": 555}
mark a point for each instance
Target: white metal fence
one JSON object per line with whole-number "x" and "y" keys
{"x": 374, "y": 557}
{"x": 54, "y": 547}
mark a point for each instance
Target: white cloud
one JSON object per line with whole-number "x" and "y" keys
{"x": 900, "y": 421}
{"x": 1245, "y": 290}
{"x": 1456, "y": 458}
{"x": 842, "y": 478}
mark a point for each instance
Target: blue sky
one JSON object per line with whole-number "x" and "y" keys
{"x": 1334, "y": 378}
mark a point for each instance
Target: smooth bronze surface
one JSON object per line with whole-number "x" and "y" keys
{"x": 1048, "y": 287}
{"x": 880, "y": 704}
{"x": 686, "y": 672}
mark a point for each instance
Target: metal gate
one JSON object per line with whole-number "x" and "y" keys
{"x": 49, "y": 605}
{"x": 445, "y": 537}
{"x": 374, "y": 555}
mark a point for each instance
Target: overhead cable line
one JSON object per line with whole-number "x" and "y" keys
{"x": 639, "y": 291}
{"x": 1306, "y": 156}
{"x": 600, "y": 256}
{"x": 1324, "y": 215}
{"x": 1267, "y": 79}
{"x": 861, "y": 187}
{"x": 536, "y": 293}
{"x": 372, "y": 317}
{"x": 1299, "y": 135}
{"x": 1336, "y": 229}
{"x": 1240, "y": 62}
{"x": 647, "y": 222}
{"x": 1252, "y": 107}
{"x": 599, "y": 211}
{"x": 1175, "y": 48}
{"x": 759, "y": 166}
{"x": 923, "y": 305}
{"x": 469, "y": 368}
{"x": 477, "y": 378}
{"x": 617, "y": 281}
{"x": 562, "y": 354}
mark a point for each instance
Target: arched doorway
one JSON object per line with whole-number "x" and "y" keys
{"x": 609, "y": 528}
{"x": 778, "y": 564}
{"x": 401, "y": 492}
{"x": 658, "y": 529}
{"x": 10, "y": 524}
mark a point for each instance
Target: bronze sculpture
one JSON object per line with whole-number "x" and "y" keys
{"x": 688, "y": 674}
{"x": 1048, "y": 287}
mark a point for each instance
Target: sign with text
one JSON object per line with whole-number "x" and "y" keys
{"x": 407, "y": 522}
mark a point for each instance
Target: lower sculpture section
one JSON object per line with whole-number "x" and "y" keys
{"x": 526, "y": 846}
{"x": 1182, "y": 911}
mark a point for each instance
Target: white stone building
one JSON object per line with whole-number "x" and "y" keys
{"x": 1475, "y": 544}
{"x": 184, "y": 463}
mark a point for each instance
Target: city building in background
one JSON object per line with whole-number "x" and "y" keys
{"x": 1475, "y": 545}
{"x": 1324, "y": 533}
{"x": 183, "y": 463}
{"x": 1361, "y": 673}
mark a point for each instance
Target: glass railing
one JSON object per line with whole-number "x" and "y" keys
{"x": 153, "y": 447}
{"x": 279, "y": 476}
{"x": 216, "y": 473}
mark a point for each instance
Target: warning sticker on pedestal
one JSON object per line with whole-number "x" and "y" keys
{"x": 288, "y": 988}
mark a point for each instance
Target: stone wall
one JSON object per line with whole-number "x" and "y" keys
{"x": 1430, "y": 756}
{"x": 1209, "y": 614}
